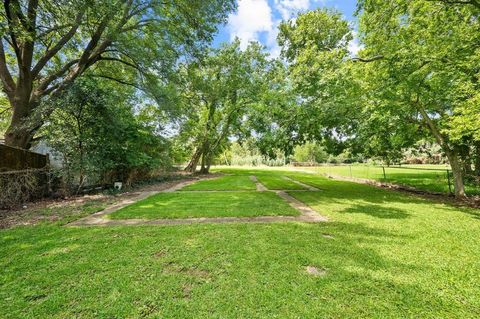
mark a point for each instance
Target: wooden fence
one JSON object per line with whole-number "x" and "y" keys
{"x": 12, "y": 158}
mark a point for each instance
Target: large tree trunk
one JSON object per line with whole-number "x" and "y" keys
{"x": 21, "y": 129}
{"x": 18, "y": 136}
{"x": 31, "y": 81}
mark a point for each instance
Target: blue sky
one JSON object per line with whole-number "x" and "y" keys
{"x": 258, "y": 19}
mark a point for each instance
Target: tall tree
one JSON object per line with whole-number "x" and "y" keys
{"x": 417, "y": 74}
{"x": 218, "y": 94}
{"x": 45, "y": 45}
{"x": 424, "y": 66}
{"x": 315, "y": 46}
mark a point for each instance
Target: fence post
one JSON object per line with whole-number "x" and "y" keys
{"x": 384, "y": 175}
{"x": 449, "y": 182}
{"x": 351, "y": 175}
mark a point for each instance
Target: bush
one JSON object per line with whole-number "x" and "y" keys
{"x": 310, "y": 152}
{"x": 101, "y": 138}
{"x": 19, "y": 187}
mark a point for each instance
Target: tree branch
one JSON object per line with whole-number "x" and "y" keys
{"x": 28, "y": 45}
{"x": 52, "y": 77}
{"x": 474, "y": 3}
{"x": 101, "y": 58}
{"x": 52, "y": 29}
{"x": 57, "y": 47}
{"x": 5, "y": 110}
{"x": 6, "y": 77}
{"x": 116, "y": 80}
{"x": 91, "y": 54}
{"x": 11, "y": 31}
{"x": 367, "y": 60}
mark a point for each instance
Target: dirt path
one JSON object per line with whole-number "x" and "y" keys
{"x": 307, "y": 214}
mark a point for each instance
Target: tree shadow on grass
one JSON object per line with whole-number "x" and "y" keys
{"x": 252, "y": 266}
{"x": 475, "y": 213}
{"x": 377, "y": 211}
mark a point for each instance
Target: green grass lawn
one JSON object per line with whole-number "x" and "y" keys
{"x": 430, "y": 177}
{"x": 224, "y": 183}
{"x": 206, "y": 204}
{"x": 384, "y": 255}
{"x": 276, "y": 182}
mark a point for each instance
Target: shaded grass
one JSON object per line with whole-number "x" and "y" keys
{"x": 387, "y": 255}
{"x": 435, "y": 179}
{"x": 223, "y": 183}
{"x": 206, "y": 204}
{"x": 55, "y": 212}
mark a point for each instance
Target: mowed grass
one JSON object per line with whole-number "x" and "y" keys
{"x": 278, "y": 182}
{"x": 223, "y": 183}
{"x": 382, "y": 254}
{"x": 424, "y": 177}
{"x": 206, "y": 204}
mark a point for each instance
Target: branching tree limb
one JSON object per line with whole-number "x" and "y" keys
{"x": 367, "y": 60}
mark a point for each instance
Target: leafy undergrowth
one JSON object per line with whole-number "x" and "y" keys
{"x": 206, "y": 204}
{"x": 383, "y": 254}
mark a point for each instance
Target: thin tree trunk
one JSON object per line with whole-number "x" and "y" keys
{"x": 205, "y": 166}
{"x": 467, "y": 166}
{"x": 208, "y": 161}
{"x": 477, "y": 158}
{"x": 457, "y": 174}
{"x": 457, "y": 169}
{"x": 192, "y": 165}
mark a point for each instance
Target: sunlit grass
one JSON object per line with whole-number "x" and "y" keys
{"x": 207, "y": 204}
{"x": 429, "y": 177}
{"x": 223, "y": 183}
{"x": 384, "y": 255}
{"x": 277, "y": 182}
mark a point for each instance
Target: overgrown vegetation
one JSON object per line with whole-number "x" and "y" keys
{"x": 95, "y": 133}
{"x": 21, "y": 186}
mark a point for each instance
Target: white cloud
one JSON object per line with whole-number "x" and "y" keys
{"x": 354, "y": 46}
{"x": 256, "y": 17}
{"x": 288, "y": 8}
{"x": 252, "y": 18}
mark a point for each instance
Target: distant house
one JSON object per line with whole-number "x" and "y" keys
{"x": 43, "y": 148}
